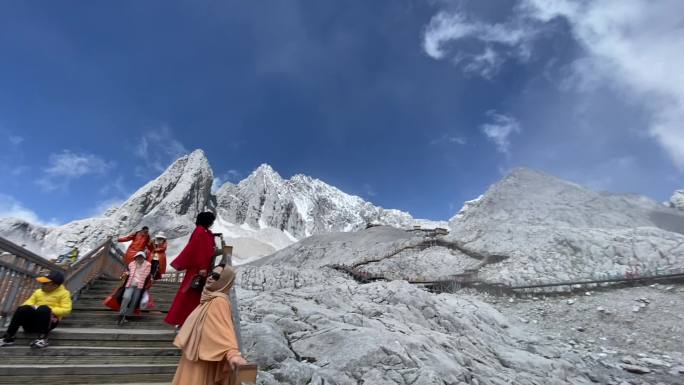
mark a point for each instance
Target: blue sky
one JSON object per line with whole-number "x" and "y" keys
{"x": 414, "y": 105}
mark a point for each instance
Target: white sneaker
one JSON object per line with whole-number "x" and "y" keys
{"x": 40, "y": 343}
{"x": 6, "y": 342}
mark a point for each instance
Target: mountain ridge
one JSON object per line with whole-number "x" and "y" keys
{"x": 253, "y": 212}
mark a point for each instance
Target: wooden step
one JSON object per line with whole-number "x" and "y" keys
{"x": 89, "y": 360}
{"x": 88, "y": 347}
{"x": 90, "y": 307}
{"x": 90, "y": 313}
{"x": 37, "y": 374}
{"x": 102, "y": 294}
{"x": 111, "y": 322}
{"x": 77, "y": 369}
{"x": 89, "y": 351}
{"x": 104, "y": 334}
{"x": 98, "y": 302}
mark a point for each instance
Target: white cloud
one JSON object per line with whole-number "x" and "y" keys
{"x": 10, "y": 207}
{"x": 67, "y": 166}
{"x": 637, "y": 45}
{"x": 11, "y": 154}
{"x": 499, "y": 42}
{"x": 102, "y": 207}
{"x": 15, "y": 140}
{"x": 634, "y": 46}
{"x": 158, "y": 148}
{"x": 500, "y": 129}
{"x": 232, "y": 176}
{"x": 451, "y": 139}
{"x": 369, "y": 190}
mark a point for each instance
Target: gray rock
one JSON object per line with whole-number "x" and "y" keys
{"x": 654, "y": 362}
{"x": 635, "y": 369}
{"x": 392, "y": 333}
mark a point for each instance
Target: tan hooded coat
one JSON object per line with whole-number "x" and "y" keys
{"x": 207, "y": 338}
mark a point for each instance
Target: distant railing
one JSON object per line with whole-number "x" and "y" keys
{"x": 104, "y": 260}
{"x": 174, "y": 277}
{"x": 19, "y": 268}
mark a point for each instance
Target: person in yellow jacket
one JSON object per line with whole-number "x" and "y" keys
{"x": 42, "y": 311}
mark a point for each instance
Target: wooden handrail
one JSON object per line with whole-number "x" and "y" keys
{"x": 28, "y": 255}
{"x": 17, "y": 277}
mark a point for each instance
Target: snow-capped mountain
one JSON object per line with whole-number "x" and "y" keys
{"x": 168, "y": 203}
{"x": 171, "y": 201}
{"x": 261, "y": 214}
{"x": 301, "y": 206}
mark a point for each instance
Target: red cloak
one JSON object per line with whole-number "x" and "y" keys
{"x": 140, "y": 241}
{"x": 197, "y": 255}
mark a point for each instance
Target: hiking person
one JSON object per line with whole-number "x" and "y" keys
{"x": 138, "y": 274}
{"x": 42, "y": 311}
{"x": 157, "y": 248}
{"x": 195, "y": 259}
{"x": 68, "y": 258}
{"x": 210, "y": 350}
{"x": 140, "y": 239}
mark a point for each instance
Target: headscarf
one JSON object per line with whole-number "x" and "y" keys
{"x": 189, "y": 336}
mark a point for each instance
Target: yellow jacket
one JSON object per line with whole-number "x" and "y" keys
{"x": 59, "y": 300}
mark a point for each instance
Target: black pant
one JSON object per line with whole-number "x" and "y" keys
{"x": 38, "y": 320}
{"x": 154, "y": 269}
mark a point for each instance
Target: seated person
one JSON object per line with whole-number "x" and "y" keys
{"x": 42, "y": 311}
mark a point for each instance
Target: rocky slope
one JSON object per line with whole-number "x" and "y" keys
{"x": 613, "y": 330}
{"x": 528, "y": 228}
{"x": 391, "y": 333}
{"x": 551, "y": 230}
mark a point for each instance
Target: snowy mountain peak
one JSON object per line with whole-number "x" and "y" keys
{"x": 300, "y": 206}
{"x": 172, "y": 200}
{"x": 265, "y": 174}
{"x": 262, "y": 207}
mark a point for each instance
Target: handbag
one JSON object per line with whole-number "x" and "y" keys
{"x": 198, "y": 282}
{"x": 145, "y": 300}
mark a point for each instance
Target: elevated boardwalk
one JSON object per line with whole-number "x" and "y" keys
{"x": 470, "y": 279}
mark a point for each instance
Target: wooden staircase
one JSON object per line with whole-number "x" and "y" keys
{"x": 89, "y": 348}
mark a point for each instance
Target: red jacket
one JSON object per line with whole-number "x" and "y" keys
{"x": 197, "y": 255}
{"x": 140, "y": 241}
{"x": 160, "y": 250}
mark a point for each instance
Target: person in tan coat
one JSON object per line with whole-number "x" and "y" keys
{"x": 207, "y": 339}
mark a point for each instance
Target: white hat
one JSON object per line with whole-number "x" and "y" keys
{"x": 160, "y": 235}
{"x": 140, "y": 253}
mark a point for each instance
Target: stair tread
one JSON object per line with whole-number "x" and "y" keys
{"x": 42, "y": 366}
{"x": 88, "y": 348}
{"x": 109, "y": 331}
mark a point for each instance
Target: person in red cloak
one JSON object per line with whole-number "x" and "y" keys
{"x": 196, "y": 258}
{"x": 140, "y": 241}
